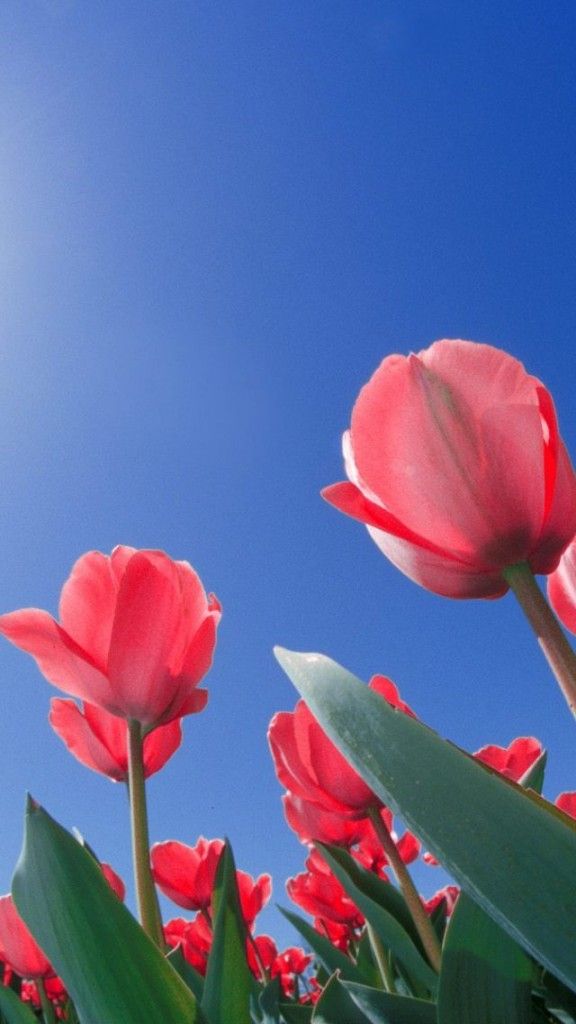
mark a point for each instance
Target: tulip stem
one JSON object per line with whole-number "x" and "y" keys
{"x": 381, "y": 958}
{"x": 47, "y": 1008}
{"x": 555, "y": 646}
{"x": 148, "y": 910}
{"x": 419, "y": 916}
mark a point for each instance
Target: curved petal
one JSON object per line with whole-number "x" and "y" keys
{"x": 560, "y": 526}
{"x": 160, "y": 744}
{"x": 146, "y": 625}
{"x": 74, "y": 730}
{"x": 441, "y": 575}
{"x": 87, "y": 604}
{"x": 59, "y": 658}
{"x": 17, "y": 944}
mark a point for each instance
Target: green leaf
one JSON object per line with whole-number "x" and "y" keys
{"x": 110, "y": 967}
{"x": 521, "y": 873}
{"x": 336, "y": 1007}
{"x": 13, "y": 1010}
{"x": 331, "y": 958}
{"x": 383, "y": 1008}
{"x": 228, "y": 983}
{"x": 269, "y": 1003}
{"x": 391, "y": 933}
{"x": 486, "y": 976}
{"x": 294, "y": 1014}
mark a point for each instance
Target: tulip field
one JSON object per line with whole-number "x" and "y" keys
{"x": 457, "y": 468}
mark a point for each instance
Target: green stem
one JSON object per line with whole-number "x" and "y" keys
{"x": 409, "y": 891}
{"x": 381, "y": 959}
{"x": 145, "y": 892}
{"x": 551, "y": 637}
{"x": 47, "y": 1009}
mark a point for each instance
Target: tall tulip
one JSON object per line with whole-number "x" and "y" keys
{"x": 135, "y": 638}
{"x": 457, "y": 468}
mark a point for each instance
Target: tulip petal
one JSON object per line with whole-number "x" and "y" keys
{"x": 562, "y": 588}
{"x": 87, "y": 604}
{"x": 57, "y": 655}
{"x": 161, "y": 743}
{"x": 560, "y": 527}
{"x": 440, "y": 574}
{"x": 74, "y": 730}
{"x": 145, "y": 625}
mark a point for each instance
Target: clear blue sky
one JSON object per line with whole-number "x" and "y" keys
{"x": 218, "y": 216}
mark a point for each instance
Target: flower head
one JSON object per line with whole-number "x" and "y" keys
{"x": 457, "y": 469}
{"x": 136, "y": 635}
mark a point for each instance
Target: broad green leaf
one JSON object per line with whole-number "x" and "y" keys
{"x": 110, "y": 967}
{"x": 336, "y": 1007}
{"x": 366, "y": 962}
{"x": 331, "y": 958}
{"x": 269, "y": 1003}
{"x": 228, "y": 983}
{"x": 385, "y": 1008}
{"x": 391, "y": 933}
{"x": 522, "y": 872}
{"x": 486, "y": 976}
{"x": 294, "y": 1014}
{"x": 13, "y": 1010}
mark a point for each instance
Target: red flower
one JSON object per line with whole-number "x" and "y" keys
{"x": 311, "y": 767}
{"x": 17, "y": 945}
{"x": 562, "y": 588}
{"x": 369, "y": 851}
{"x": 312, "y": 823}
{"x": 136, "y": 635}
{"x": 285, "y": 965}
{"x": 449, "y": 894}
{"x": 457, "y": 469}
{"x": 567, "y": 803}
{"x": 100, "y": 740}
{"x": 319, "y": 892}
{"x": 514, "y": 760}
{"x": 193, "y": 937}
{"x": 186, "y": 873}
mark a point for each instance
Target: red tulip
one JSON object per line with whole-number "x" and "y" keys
{"x": 567, "y": 803}
{"x": 562, "y": 588}
{"x": 311, "y": 767}
{"x": 457, "y": 469}
{"x": 136, "y": 635}
{"x": 100, "y": 740}
{"x": 285, "y": 965}
{"x": 449, "y": 894}
{"x": 17, "y": 945}
{"x": 194, "y": 939}
{"x": 514, "y": 760}
{"x": 312, "y": 823}
{"x": 186, "y": 874}
{"x": 319, "y": 892}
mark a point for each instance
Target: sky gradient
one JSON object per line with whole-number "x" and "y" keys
{"x": 218, "y": 218}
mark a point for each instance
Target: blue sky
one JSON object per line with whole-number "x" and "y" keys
{"x": 218, "y": 217}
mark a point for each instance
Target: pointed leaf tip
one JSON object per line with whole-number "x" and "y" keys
{"x": 31, "y": 804}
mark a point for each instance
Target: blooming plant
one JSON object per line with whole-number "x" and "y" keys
{"x": 457, "y": 468}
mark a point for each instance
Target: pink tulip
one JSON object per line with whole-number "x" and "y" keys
{"x": 457, "y": 469}
{"x": 136, "y": 635}
{"x": 514, "y": 760}
{"x": 100, "y": 740}
{"x": 562, "y": 588}
{"x": 17, "y": 945}
{"x": 186, "y": 874}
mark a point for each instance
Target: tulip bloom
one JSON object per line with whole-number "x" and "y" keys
{"x": 311, "y": 767}
{"x": 136, "y": 635}
{"x": 457, "y": 469}
{"x": 514, "y": 760}
{"x": 318, "y": 891}
{"x": 99, "y": 740}
{"x": 17, "y": 946}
